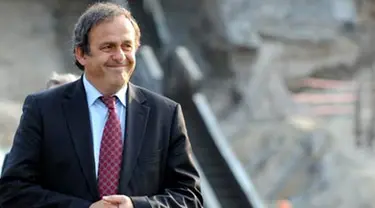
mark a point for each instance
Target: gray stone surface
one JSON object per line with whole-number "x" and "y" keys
{"x": 28, "y": 50}
{"x": 296, "y": 19}
{"x": 28, "y": 55}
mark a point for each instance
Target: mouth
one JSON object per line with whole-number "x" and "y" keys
{"x": 116, "y": 68}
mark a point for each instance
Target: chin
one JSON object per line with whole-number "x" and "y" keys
{"x": 118, "y": 81}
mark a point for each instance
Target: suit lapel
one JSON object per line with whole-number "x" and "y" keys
{"x": 136, "y": 122}
{"x": 78, "y": 121}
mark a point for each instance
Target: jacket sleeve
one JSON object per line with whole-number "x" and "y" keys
{"x": 182, "y": 183}
{"x": 20, "y": 181}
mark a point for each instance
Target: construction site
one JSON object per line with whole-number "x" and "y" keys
{"x": 278, "y": 95}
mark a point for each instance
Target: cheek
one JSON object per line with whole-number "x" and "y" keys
{"x": 103, "y": 59}
{"x": 131, "y": 58}
{"x": 95, "y": 66}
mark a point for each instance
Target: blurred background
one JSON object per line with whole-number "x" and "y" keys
{"x": 278, "y": 95}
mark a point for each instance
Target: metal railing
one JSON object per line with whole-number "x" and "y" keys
{"x": 235, "y": 166}
{"x": 222, "y": 169}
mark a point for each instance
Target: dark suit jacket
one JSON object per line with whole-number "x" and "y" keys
{"x": 51, "y": 162}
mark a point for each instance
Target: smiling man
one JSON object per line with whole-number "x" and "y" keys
{"x": 101, "y": 141}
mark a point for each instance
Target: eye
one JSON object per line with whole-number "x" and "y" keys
{"x": 106, "y": 47}
{"x": 127, "y": 47}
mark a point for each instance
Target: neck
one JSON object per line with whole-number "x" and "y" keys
{"x": 108, "y": 90}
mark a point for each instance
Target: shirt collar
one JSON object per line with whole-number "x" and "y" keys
{"x": 93, "y": 94}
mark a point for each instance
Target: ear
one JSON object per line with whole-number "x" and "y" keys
{"x": 80, "y": 56}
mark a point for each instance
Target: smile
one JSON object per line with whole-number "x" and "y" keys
{"x": 116, "y": 68}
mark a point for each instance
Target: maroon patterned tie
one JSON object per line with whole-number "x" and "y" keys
{"x": 110, "y": 155}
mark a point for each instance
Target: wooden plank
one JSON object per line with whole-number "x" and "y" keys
{"x": 320, "y": 98}
{"x": 326, "y": 83}
{"x": 331, "y": 110}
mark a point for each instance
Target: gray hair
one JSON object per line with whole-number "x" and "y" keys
{"x": 60, "y": 79}
{"x": 94, "y": 15}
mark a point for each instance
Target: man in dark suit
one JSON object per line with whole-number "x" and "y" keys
{"x": 101, "y": 141}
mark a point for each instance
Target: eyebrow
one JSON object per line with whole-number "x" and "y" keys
{"x": 127, "y": 41}
{"x": 114, "y": 43}
{"x": 107, "y": 43}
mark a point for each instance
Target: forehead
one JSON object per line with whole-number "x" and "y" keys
{"x": 117, "y": 29}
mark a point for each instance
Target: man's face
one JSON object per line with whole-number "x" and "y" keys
{"x": 111, "y": 60}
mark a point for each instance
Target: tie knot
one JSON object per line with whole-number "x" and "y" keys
{"x": 109, "y": 101}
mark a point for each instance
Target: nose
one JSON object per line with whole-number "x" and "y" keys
{"x": 119, "y": 56}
